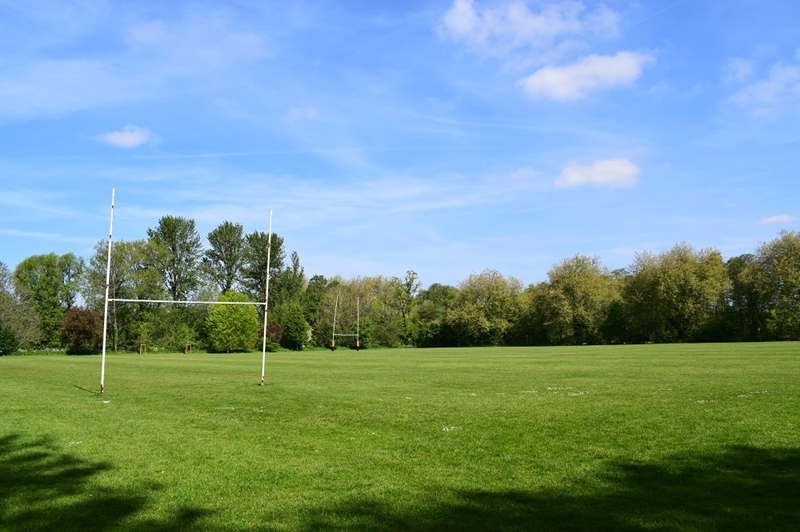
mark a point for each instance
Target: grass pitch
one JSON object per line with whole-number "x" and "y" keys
{"x": 659, "y": 437}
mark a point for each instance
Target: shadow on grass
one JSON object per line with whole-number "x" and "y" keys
{"x": 744, "y": 488}
{"x": 43, "y": 488}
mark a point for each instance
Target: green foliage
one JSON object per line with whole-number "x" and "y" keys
{"x": 776, "y": 276}
{"x": 294, "y": 328}
{"x": 81, "y": 331}
{"x": 17, "y": 315}
{"x": 367, "y": 297}
{"x": 232, "y": 327}
{"x": 8, "y": 341}
{"x": 576, "y": 300}
{"x": 72, "y": 269}
{"x": 254, "y": 272}
{"x": 403, "y": 297}
{"x": 289, "y": 283}
{"x": 428, "y": 317}
{"x": 50, "y": 284}
{"x": 131, "y": 277}
{"x": 485, "y": 308}
{"x": 674, "y": 295}
{"x": 312, "y": 297}
{"x": 223, "y": 261}
{"x": 176, "y": 252}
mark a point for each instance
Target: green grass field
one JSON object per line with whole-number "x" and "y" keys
{"x": 657, "y": 437}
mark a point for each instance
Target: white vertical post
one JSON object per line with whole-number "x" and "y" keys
{"x": 358, "y": 322}
{"x": 333, "y": 334}
{"x": 105, "y": 310}
{"x": 266, "y": 302}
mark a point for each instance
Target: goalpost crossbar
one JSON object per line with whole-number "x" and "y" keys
{"x": 120, "y": 300}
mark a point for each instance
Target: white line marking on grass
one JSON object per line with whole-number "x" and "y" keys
{"x": 753, "y": 394}
{"x": 448, "y": 429}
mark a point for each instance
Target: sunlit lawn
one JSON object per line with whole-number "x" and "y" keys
{"x": 680, "y": 437}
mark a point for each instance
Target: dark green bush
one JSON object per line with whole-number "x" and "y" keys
{"x": 8, "y": 341}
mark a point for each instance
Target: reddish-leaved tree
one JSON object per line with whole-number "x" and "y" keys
{"x": 81, "y": 330}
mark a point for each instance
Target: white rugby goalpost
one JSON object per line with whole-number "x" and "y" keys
{"x": 334, "y": 334}
{"x": 168, "y": 301}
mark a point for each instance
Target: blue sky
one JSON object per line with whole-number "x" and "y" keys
{"x": 445, "y": 137}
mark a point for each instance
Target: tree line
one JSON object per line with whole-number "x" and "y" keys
{"x": 679, "y": 295}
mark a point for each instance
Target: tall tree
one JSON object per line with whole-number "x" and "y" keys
{"x": 254, "y": 271}
{"x": 692, "y": 284}
{"x": 642, "y": 300}
{"x": 485, "y": 308}
{"x": 779, "y": 279}
{"x": 176, "y": 254}
{"x": 577, "y": 299}
{"x": 404, "y": 292}
{"x": 673, "y": 295}
{"x": 72, "y": 270}
{"x": 223, "y": 261}
{"x": 747, "y": 297}
{"x": 428, "y": 316}
{"x": 290, "y": 282}
{"x": 17, "y": 315}
{"x": 50, "y": 283}
{"x": 131, "y": 277}
{"x": 312, "y": 297}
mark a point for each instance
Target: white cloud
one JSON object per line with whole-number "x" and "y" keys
{"x": 614, "y": 173}
{"x": 513, "y": 26}
{"x": 591, "y": 73}
{"x": 129, "y": 136}
{"x": 739, "y": 70}
{"x": 770, "y": 96}
{"x": 780, "y": 219}
{"x": 300, "y": 114}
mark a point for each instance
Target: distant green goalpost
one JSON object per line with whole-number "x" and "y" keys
{"x": 169, "y": 301}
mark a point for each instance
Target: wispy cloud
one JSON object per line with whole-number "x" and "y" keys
{"x": 522, "y": 37}
{"x": 772, "y": 94}
{"x": 49, "y": 87}
{"x": 613, "y": 173}
{"x": 49, "y": 237}
{"x": 738, "y": 70}
{"x": 141, "y": 63}
{"x": 541, "y": 35}
{"x": 130, "y": 136}
{"x": 779, "y": 219}
{"x": 588, "y": 74}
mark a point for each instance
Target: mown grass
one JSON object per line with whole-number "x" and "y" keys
{"x": 668, "y": 437}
